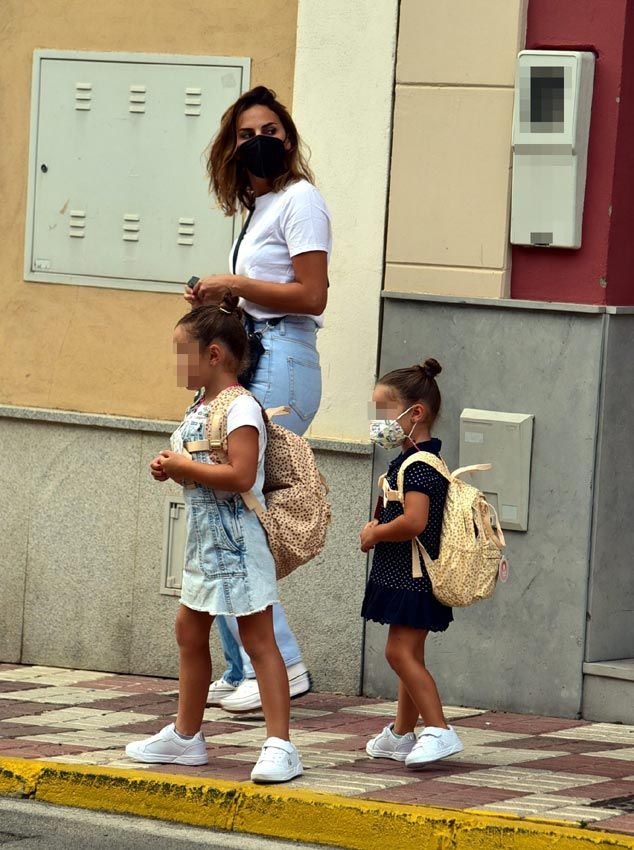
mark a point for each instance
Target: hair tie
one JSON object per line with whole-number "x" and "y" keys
{"x": 222, "y": 310}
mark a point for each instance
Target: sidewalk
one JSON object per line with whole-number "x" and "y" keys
{"x": 542, "y": 769}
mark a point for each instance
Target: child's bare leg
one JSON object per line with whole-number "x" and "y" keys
{"x": 192, "y": 633}
{"x": 403, "y": 655}
{"x": 258, "y": 640}
{"x": 406, "y": 713}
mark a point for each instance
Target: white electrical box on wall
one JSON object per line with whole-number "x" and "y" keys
{"x": 551, "y": 126}
{"x": 118, "y": 193}
{"x": 505, "y": 441}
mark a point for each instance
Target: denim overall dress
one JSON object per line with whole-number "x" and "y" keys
{"x": 229, "y": 568}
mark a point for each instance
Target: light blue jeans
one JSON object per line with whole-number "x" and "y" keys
{"x": 288, "y": 374}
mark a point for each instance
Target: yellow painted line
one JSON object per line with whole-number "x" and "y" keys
{"x": 291, "y": 814}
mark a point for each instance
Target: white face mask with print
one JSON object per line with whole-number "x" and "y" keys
{"x": 388, "y": 433}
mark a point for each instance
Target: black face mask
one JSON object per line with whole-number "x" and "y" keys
{"x": 263, "y": 156}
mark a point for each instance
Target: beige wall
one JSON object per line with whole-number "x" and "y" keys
{"x": 450, "y": 180}
{"x": 104, "y": 350}
{"x": 344, "y": 72}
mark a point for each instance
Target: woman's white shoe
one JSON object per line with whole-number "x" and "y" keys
{"x": 279, "y": 762}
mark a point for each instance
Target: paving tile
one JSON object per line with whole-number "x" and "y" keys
{"x": 523, "y": 724}
{"x": 311, "y": 757}
{"x": 540, "y": 742}
{"x": 256, "y": 737}
{"x": 346, "y": 783}
{"x": 16, "y": 686}
{"x": 58, "y": 696}
{"x": 15, "y": 710}
{"x": 604, "y": 767}
{"x": 611, "y": 733}
{"x": 626, "y": 754}
{"x": 606, "y": 790}
{"x": 55, "y": 676}
{"x": 388, "y": 709}
{"x": 9, "y": 729}
{"x": 93, "y": 740}
{"x": 498, "y": 755}
{"x": 134, "y": 684}
{"x": 522, "y": 779}
{"x": 148, "y": 703}
{"x": 445, "y": 768}
{"x": 621, "y": 823}
{"x": 433, "y": 794}
{"x": 552, "y": 807}
{"x": 84, "y": 718}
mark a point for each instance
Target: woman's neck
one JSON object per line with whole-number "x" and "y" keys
{"x": 217, "y": 383}
{"x": 260, "y": 185}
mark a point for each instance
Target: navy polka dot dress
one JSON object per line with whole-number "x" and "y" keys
{"x": 392, "y": 595}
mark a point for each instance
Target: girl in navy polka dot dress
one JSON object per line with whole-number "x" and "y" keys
{"x": 407, "y": 402}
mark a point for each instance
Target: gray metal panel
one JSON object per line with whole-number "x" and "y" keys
{"x": 611, "y": 602}
{"x": 523, "y": 649}
{"x": 117, "y": 186}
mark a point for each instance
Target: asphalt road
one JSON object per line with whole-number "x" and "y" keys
{"x": 28, "y": 825}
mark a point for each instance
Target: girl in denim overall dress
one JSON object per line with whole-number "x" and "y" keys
{"x": 229, "y": 569}
{"x": 407, "y": 402}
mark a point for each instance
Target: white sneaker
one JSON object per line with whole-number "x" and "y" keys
{"x": 279, "y": 762}
{"x": 218, "y": 690}
{"x": 433, "y": 744}
{"x": 246, "y": 696}
{"x": 166, "y": 747}
{"x": 387, "y": 745}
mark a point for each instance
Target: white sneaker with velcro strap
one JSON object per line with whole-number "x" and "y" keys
{"x": 279, "y": 762}
{"x": 433, "y": 744}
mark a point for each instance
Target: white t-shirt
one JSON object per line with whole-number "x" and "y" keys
{"x": 284, "y": 224}
{"x": 243, "y": 411}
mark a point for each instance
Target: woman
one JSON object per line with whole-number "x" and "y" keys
{"x": 280, "y": 272}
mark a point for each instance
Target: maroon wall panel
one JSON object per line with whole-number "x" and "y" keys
{"x": 581, "y": 276}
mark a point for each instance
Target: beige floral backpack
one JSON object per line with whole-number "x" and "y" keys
{"x": 467, "y": 566}
{"x": 297, "y": 513}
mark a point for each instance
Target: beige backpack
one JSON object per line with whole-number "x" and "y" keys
{"x": 297, "y": 514}
{"x": 467, "y": 566}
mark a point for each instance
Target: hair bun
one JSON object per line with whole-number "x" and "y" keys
{"x": 229, "y": 303}
{"x": 431, "y": 367}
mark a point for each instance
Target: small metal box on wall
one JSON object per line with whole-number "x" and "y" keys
{"x": 505, "y": 441}
{"x": 118, "y": 194}
{"x": 551, "y": 126}
{"x": 174, "y": 539}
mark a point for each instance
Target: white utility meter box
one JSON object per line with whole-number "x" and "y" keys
{"x": 118, "y": 192}
{"x": 505, "y": 441}
{"x": 551, "y": 126}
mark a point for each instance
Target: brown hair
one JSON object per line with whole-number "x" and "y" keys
{"x": 219, "y": 323}
{"x": 417, "y": 383}
{"x": 228, "y": 180}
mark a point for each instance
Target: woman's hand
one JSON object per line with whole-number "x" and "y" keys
{"x": 173, "y": 465}
{"x": 156, "y": 470}
{"x": 368, "y": 535}
{"x": 210, "y": 290}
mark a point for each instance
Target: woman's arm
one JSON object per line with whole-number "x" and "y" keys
{"x": 236, "y": 476}
{"x": 307, "y": 294}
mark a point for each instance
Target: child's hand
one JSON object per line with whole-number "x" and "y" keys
{"x": 173, "y": 465}
{"x": 368, "y": 539}
{"x": 156, "y": 470}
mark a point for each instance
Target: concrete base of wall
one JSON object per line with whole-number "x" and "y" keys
{"x": 81, "y": 555}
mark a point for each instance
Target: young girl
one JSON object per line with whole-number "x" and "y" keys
{"x": 407, "y": 402}
{"x": 228, "y": 568}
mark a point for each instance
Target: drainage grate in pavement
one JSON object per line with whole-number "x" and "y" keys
{"x": 623, "y": 804}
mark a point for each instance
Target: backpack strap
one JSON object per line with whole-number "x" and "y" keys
{"x": 476, "y": 467}
{"x": 430, "y": 459}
